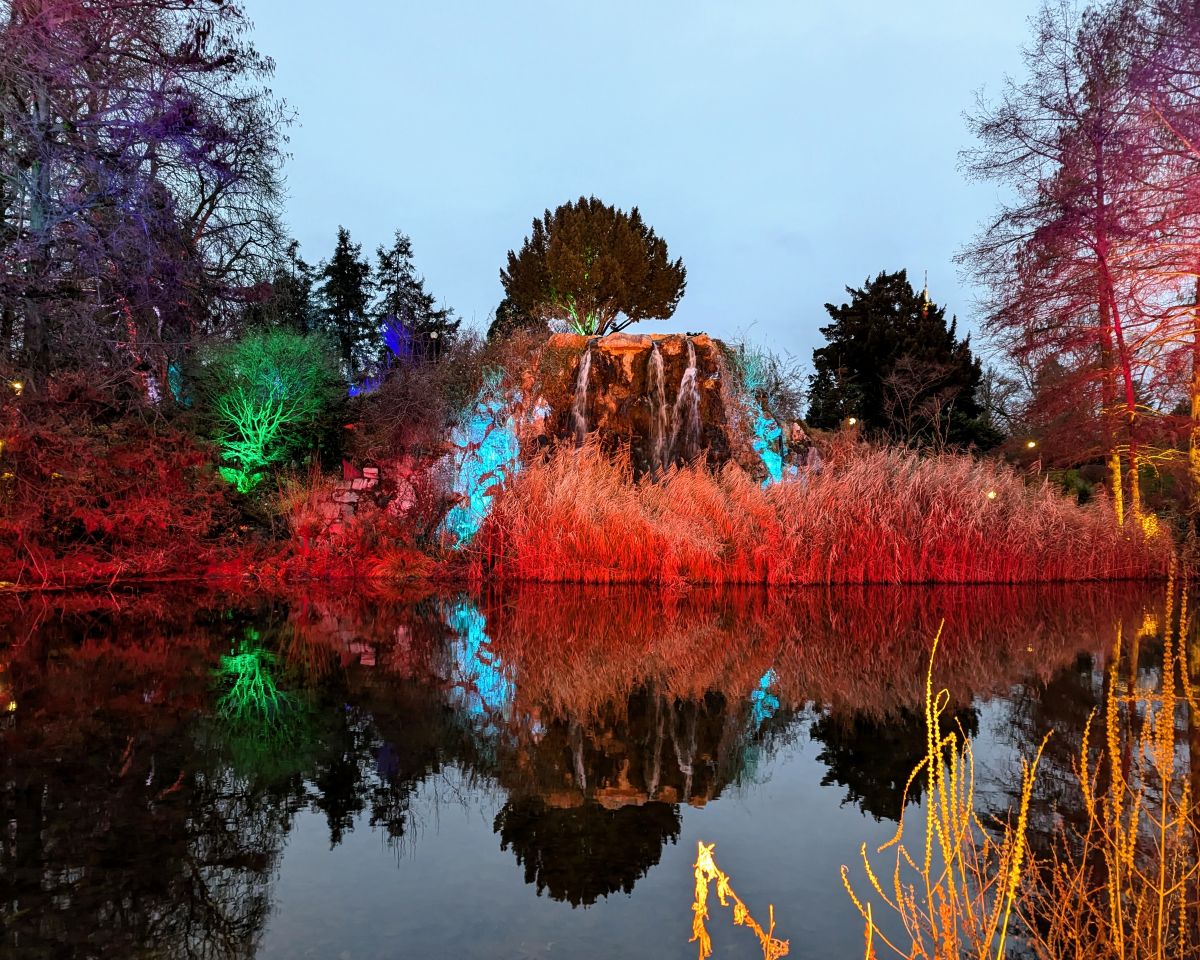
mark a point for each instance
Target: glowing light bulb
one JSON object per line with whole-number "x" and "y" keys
{"x": 17, "y": 386}
{"x": 991, "y": 494}
{"x": 1030, "y": 444}
{"x": 852, "y": 421}
{"x": 12, "y": 706}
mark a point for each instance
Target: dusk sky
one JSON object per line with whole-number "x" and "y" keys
{"x": 783, "y": 150}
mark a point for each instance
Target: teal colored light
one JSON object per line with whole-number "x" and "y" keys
{"x": 763, "y": 703}
{"x": 768, "y": 444}
{"x": 488, "y": 455}
{"x": 752, "y": 367}
{"x": 176, "y": 386}
{"x": 483, "y": 689}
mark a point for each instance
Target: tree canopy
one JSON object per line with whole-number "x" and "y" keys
{"x": 893, "y": 363}
{"x": 268, "y": 394}
{"x": 594, "y": 267}
{"x": 408, "y": 314}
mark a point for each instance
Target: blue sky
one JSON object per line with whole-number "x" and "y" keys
{"x": 785, "y": 150}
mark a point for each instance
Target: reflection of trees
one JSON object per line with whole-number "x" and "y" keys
{"x": 143, "y": 818}
{"x": 579, "y": 854}
{"x": 873, "y": 758}
{"x": 116, "y": 842}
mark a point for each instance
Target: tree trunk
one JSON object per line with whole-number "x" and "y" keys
{"x": 1194, "y": 431}
{"x": 1108, "y": 397}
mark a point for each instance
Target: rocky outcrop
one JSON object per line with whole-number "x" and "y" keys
{"x": 663, "y": 418}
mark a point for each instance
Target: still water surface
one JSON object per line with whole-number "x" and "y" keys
{"x": 337, "y": 774}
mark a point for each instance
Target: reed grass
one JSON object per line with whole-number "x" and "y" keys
{"x": 875, "y": 516}
{"x": 1124, "y": 882}
{"x": 955, "y": 893}
{"x": 707, "y": 873}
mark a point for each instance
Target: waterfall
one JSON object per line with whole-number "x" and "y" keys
{"x": 579, "y": 405}
{"x": 685, "y": 419}
{"x": 660, "y": 418}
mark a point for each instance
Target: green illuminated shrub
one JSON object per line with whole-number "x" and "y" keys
{"x": 270, "y": 395}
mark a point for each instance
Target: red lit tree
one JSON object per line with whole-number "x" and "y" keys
{"x": 1063, "y": 262}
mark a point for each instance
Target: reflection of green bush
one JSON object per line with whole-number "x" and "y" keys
{"x": 264, "y": 730}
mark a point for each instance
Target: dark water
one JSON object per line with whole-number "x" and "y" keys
{"x": 335, "y": 774}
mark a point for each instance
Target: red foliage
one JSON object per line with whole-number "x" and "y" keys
{"x": 880, "y": 516}
{"x": 93, "y": 488}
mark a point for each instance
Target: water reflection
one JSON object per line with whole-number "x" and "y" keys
{"x": 161, "y": 747}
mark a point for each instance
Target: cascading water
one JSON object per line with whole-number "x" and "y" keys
{"x": 660, "y": 417}
{"x": 579, "y": 404}
{"x": 685, "y": 419}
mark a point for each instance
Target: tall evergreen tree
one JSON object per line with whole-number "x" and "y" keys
{"x": 404, "y": 305}
{"x": 293, "y": 292}
{"x": 893, "y": 363}
{"x": 346, "y": 294}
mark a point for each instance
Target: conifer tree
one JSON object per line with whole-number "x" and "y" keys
{"x": 894, "y": 364}
{"x": 594, "y": 267}
{"x": 404, "y": 305}
{"x": 346, "y": 295}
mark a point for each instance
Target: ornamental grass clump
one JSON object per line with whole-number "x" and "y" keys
{"x": 1122, "y": 882}
{"x": 877, "y": 515}
{"x": 955, "y": 892}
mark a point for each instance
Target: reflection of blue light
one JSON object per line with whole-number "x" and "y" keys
{"x": 478, "y": 674}
{"x": 487, "y": 455}
{"x": 763, "y": 703}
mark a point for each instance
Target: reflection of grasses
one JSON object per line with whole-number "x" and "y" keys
{"x": 573, "y": 651}
{"x": 955, "y": 895}
{"x": 1125, "y": 881}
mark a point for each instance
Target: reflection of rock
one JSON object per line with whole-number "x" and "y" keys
{"x": 873, "y": 759}
{"x": 619, "y": 403}
{"x": 581, "y": 853}
{"x": 645, "y": 747}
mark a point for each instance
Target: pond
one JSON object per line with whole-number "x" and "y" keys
{"x": 342, "y": 773}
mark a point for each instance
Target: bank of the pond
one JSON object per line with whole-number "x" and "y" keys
{"x": 868, "y": 515}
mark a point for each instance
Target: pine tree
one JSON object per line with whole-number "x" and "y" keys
{"x": 346, "y": 294}
{"x": 894, "y": 364}
{"x": 404, "y": 307}
{"x": 293, "y": 305}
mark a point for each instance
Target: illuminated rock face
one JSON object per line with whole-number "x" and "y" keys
{"x": 638, "y": 392}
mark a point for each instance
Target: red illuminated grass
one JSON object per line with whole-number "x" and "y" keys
{"x": 880, "y": 516}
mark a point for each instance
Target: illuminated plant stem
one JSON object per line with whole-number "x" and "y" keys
{"x": 706, "y": 871}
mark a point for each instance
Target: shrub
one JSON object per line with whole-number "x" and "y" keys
{"x": 269, "y": 395}
{"x": 95, "y": 485}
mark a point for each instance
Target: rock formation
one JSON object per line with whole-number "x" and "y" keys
{"x": 663, "y": 395}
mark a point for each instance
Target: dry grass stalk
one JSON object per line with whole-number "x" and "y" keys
{"x": 1125, "y": 883}
{"x": 707, "y": 871}
{"x": 954, "y": 897}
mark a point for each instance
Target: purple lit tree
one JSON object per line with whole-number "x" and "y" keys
{"x": 139, "y": 177}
